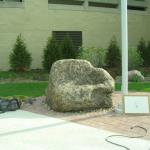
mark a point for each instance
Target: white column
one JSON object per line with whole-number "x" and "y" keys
{"x": 124, "y": 32}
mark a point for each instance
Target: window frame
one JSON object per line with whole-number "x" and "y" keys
{"x": 73, "y": 35}
{"x": 11, "y": 4}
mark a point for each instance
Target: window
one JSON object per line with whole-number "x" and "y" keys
{"x": 76, "y": 37}
{"x": 105, "y": 5}
{"x": 139, "y": 5}
{"x": 11, "y": 3}
{"x": 137, "y": 8}
{"x": 66, "y": 2}
{"x": 11, "y": 0}
{"x": 90, "y": 5}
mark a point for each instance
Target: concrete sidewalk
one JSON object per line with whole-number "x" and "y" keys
{"x": 21, "y": 130}
{"x": 101, "y": 119}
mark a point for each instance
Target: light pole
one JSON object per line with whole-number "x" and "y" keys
{"x": 124, "y": 34}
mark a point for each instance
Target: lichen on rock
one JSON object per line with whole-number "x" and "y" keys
{"x": 75, "y": 85}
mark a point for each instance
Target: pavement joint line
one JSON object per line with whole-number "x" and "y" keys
{"x": 33, "y": 129}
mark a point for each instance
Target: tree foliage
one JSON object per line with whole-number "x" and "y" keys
{"x": 94, "y": 55}
{"x": 135, "y": 60}
{"x": 147, "y": 58}
{"x": 142, "y": 48}
{"x": 67, "y": 48}
{"x": 113, "y": 55}
{"x": 52, "y": 53}
{"x": 20, "y": 59}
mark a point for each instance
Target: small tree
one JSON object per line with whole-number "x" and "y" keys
{"x": 67, "y": 48}
{"x": 143, "y": 51}
{"x": 52, "y": 53}
{"x": 20, "y": 59}
{"x": 147, "y": 59}
{"x": 113, "y": 55}
{"x": 135, "y": 59}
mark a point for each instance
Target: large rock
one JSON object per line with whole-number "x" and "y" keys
{"x": 135, "y": 75}
{"x": 76, "y": 85}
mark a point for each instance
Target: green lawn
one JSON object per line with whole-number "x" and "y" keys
{"x": 38, "y": 89}
{"x": 139, "y": 87}
{"x": 27, "y": 89}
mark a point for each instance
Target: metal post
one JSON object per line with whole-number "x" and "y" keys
{"x": 124, "y": 32}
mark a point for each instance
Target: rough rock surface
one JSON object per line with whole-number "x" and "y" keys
{"x": 75, "y": 85}
{"x": 135, "y": 75}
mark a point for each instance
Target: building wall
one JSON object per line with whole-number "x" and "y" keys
{"x": 148, "y": 21}
{"x": 36, "y": 21}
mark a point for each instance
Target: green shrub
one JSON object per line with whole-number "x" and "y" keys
{"x": 94, "y": 55}
{"x": 52, "y": 53}
{"x": 67, "y": 48}
{"x": 136, "y": 78}
{"x": 113, "y": 55}
{"x": 148, "y": 55}
{"x": 135, "y": 60}
{"x": 143, "y": 51}
{"x": 20, "y": 59}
